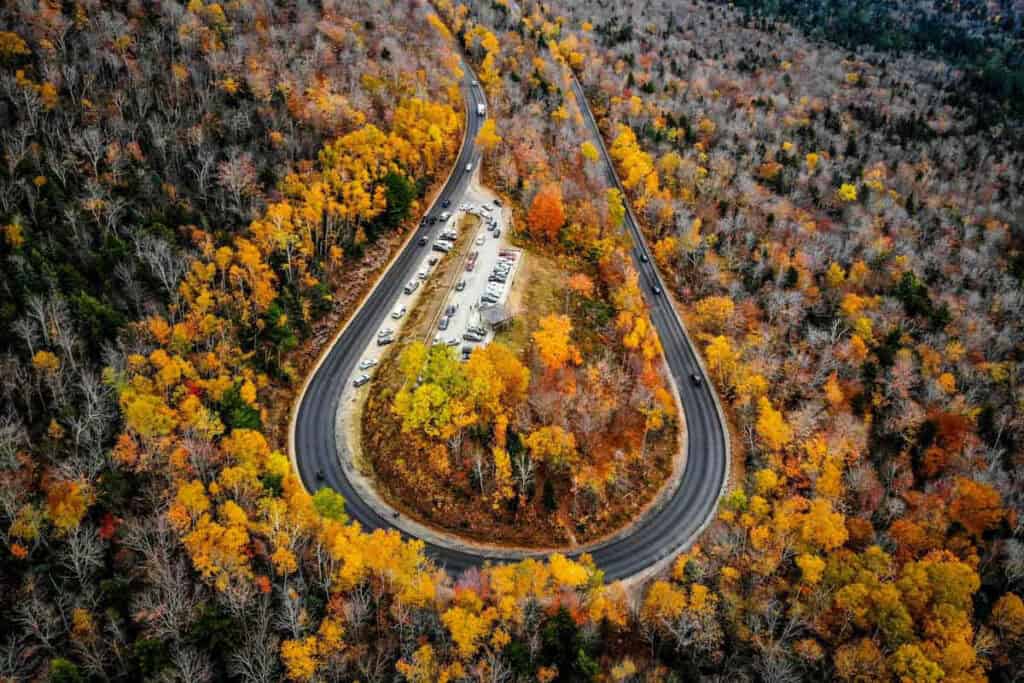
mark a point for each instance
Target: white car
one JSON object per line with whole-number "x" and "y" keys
{"x": 386, "y": 332}
{"x": 469, "y": 167}
{"x": 398, "y": 312}
{"x": 361, "y": 380}
{"x": 367, "y": 364}
{"x": 422, "y": 275}
{"x": 479, "y": 240}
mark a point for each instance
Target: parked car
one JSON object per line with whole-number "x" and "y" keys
{"x": 452, "y": 341}
{"x": 469, "y": 336}
{"x": 411, "y": 287}
{"x": 441, "y": 247}
{"x": 450, "y": 310}
{"x": 386, "y": 332}
{"x": 479, "y": 330}
{"x": 432, "y": 260}
{"x": 460, "y": 286}
{"x": 443, "y": 324}
{"x": 384, "y": 341}
{"x": 367, "y": 364}
{"x": 470, "y": 266}
{"x": 446, "y": 203}
{"x": 497, "y": 233}
{"x": 423, "y": 240}
{"x": 479, "y": 240}
{"x": 445, "y": 215}
{"x": 361, "y": 380}
{"x": 497, "y": 202}
{"x": 422, "y": 275}
{"x": 398, "y": 312}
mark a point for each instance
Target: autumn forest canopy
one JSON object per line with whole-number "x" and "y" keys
{"x": 195, "y": 196}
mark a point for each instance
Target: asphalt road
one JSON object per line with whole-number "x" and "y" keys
{"x": 658, "y": 535}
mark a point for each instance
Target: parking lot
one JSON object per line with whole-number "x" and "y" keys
{"x": 488, "y": 272}
{"x": 485, "y": 271}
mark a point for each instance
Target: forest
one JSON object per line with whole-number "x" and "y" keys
{"x": 194, "y": 196}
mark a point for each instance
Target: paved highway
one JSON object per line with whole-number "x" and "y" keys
{"x": 659, "y": 534}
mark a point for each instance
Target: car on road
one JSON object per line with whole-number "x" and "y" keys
{"x": 460, "y": 286}
{"x": 423, "y": 240}
{"x": 695, "y": 378}
{"x": 319, "y": 475}
{"x": 443, "y": 324}
{"x": 445, "y": 215}
{"x": 398, "y": 312}
{"x": 361, "y": 380}
{"x": 411, "y": 287}
{"x": 656, "y": 289}
{"x": 446, "y": 203}
{"x": 367, "y": 364}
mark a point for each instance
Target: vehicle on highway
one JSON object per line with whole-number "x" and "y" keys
{"x": 367, "y": 364}
{"x": 469, "y": 167}
{"x": 481, "y": 109}
{"x": 460, "y": 286}
{"x": 361, "y": 380}
{"x": 656, "y": 289}
{"x": 643, "y": 257}
{"x": 443, "y": 324}
{"x": 319, "y": 475}
{"x": 411, "y": 287}
{"x": 446, "y": 203}
{"x": 488, "y": 299}
{"x": 398, "y": 312}
{"x": 696, "y": 379}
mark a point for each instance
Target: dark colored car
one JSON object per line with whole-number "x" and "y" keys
{"x": 695, "y": 378}
{"x": 446, "y": 203}
{"x": 656, "y": 289}
{"x": 423, "y": 241}
{"x": 443, "y": 325}
{"x": 643, "y": 257}
{"x": 450, "y": 311}
{"x": 497, "y": 202}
